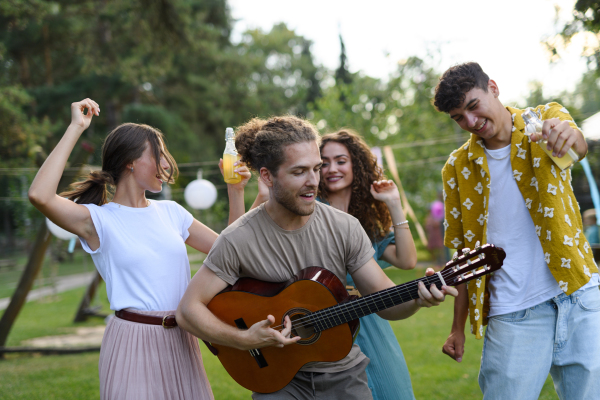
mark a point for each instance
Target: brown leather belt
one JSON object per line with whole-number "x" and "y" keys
{"x": 168, "y": 321}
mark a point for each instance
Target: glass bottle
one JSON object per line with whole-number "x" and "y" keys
{"x": 230, "y": 156}
{"x": 533, "y": 124}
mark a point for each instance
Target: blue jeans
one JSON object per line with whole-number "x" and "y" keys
{"x": 560, "y": 336}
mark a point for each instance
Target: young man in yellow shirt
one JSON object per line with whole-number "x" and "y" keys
{"x": 542, "y": 309}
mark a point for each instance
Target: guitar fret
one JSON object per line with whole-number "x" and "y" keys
{"x": 391, "y": 299}
{"x": 314, "y": 322}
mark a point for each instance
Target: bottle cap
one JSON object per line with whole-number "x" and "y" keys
{"x": 229, "y": 133}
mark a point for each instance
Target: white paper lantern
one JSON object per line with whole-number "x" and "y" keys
{"x": 59, "y": 232}
{"x": 200, "y": 194}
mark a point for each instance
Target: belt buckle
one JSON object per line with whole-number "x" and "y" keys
{"x": 165, "y": 320}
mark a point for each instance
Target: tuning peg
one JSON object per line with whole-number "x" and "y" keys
{"x": 466, "y": 250}
{"x": 477, "y": 245}
{"x": 455, "y": 256}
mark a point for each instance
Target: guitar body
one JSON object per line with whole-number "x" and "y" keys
{"x": 249, "y": 301}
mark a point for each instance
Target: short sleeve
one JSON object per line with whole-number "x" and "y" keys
{"x": 97, "y": 219}
{"x": 453, "y": 237}
{"x": 185, "y": 220}
{"x": 360, "y": 249}
{"x": 223, "y": 260}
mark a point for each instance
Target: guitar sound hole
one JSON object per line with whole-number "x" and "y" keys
{"x": 301, "y": 326}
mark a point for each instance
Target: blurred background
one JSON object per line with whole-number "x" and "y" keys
{"x": 192, "y": 68}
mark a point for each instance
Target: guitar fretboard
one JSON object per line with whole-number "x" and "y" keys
{"x": 349, "y": 311}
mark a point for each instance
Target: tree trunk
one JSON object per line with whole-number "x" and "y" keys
{"x": 36, "y": 259}
{"x": 83, "y": 311}
{"x": 34, "y": 264}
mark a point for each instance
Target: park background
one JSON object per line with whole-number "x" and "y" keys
{"x": 192, "y": 68}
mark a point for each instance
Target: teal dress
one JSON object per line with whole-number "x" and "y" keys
{"x": 387, "y": 372}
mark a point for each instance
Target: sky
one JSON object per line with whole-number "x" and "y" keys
{"x": 504, "y": 37}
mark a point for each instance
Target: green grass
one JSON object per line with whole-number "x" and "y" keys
{"x": 434, "y": 375}
{"x": 76, "y": 263}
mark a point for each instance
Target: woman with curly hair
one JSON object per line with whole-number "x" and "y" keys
{"x": 352, "y": 181}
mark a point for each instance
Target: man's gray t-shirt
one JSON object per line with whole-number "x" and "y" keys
{"x": 255, "y": 246}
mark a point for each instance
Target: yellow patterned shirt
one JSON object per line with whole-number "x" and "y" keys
{"x": 547, "y": 193}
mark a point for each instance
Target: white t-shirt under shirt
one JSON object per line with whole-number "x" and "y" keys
{"x": 255, "y": 246}
{"x": 142, "y": 255}
{"x": 524, "y": 279}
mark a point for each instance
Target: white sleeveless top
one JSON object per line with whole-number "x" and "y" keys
{"x": 142, "y": 255}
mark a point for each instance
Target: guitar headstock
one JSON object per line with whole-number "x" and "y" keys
{"x": 472, "y": 264}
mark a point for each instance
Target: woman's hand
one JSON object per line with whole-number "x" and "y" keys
{"x": 242, "y": 170}
{"x": 385, "y": 191}
{"x": 78, "y": 118}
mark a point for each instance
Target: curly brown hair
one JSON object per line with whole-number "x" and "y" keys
{"x": 451, "y": 90}
{"x": 261, "y": 143}
{"x": 373, "y": 215}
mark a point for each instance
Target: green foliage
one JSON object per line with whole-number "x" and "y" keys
{"x": 169, "y": 64}
{"x": 20, "y": 136}
{"x": 586, "y": 18}
{"x": 282, "y": 76}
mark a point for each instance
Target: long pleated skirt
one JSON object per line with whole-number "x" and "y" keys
{"x": 140, "y": 361}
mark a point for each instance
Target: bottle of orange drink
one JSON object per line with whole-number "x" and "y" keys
{"x": 533, "y": 124}
{"x": 230, "y": 156}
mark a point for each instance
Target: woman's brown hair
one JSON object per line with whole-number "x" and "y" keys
{"x": 373, "y": 215}
{"x": 122, "y": 146}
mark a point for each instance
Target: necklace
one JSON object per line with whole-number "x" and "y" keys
{"x": 496, "y": 158}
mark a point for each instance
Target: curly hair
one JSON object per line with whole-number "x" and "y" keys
{"x": 372, "y": 214}
{"x": 451, "y": 90}
{"x": 261, "y": 143}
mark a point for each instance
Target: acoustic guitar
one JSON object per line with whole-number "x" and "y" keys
{"x": 322, "y": 314}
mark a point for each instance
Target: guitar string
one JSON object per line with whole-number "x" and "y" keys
{"x": 376, "y": 300}
{"x": 373, "y": 300}
{"x": 325, "y": 316}
{"x": 369, "y": 301}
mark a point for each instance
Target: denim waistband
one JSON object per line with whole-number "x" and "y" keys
{"x": 572, "y": 297}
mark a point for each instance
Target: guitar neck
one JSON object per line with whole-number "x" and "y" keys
{"x": 375, "y": 302}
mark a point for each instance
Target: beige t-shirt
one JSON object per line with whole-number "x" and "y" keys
{"x": 255, "y": 246}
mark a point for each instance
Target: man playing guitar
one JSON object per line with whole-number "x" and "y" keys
{"x": 274, "y": 241}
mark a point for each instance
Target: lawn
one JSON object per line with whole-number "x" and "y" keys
{"x": 434, "y": 375}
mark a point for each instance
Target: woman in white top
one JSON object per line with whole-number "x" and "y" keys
{"x": 138, "y": 246}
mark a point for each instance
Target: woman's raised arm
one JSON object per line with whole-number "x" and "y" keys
{"x": 42, "y": 193}
{"x": 403, "y": 254}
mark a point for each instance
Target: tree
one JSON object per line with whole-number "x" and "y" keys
{"x": 586, "y": 19}
{"x": 396, "y": 113}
